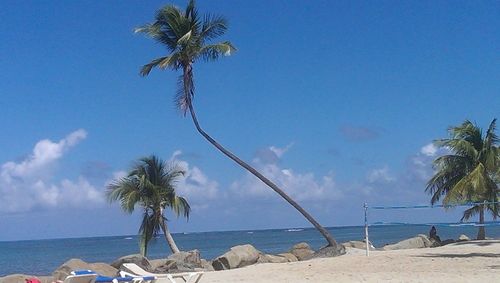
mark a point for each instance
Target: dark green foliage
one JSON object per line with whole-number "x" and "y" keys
{"x": 150, "y": 184}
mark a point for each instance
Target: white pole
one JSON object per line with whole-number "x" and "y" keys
{"x": 366, "y": 230}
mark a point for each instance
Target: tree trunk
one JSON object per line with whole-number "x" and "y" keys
{"x": 481, "y": 233}
{"x": 323, "y": 231}
{"x": 168, "y": 237}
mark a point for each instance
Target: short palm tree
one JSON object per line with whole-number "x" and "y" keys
{"x": 150, "y": 184}
{"x": 470, "y": 173}
{"x": 186, "y": 36}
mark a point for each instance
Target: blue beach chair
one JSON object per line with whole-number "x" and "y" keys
{"x": 89, "y": 276}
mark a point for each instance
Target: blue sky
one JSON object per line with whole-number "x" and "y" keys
{"x": 337, "y": 101}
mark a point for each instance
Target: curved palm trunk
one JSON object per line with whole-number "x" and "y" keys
{"x": 481, "y": 233}
{"x": 331, "y": 241}
{"x": 168, "y": 236}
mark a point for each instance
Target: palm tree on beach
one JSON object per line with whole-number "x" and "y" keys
{"x": 187, "y": 36}
{"x": 470, "y": 173}
{"x": 150, "y": 184}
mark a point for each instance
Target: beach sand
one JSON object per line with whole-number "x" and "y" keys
{"x": 473, "y": 261}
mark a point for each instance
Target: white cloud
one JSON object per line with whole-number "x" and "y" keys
{"x": 194, "y": 185}
{"x": 299, "y": 186}
{"x": 27, "y": 184}
{"x": 380, "y": 175}
{"x": 44, "y": 154}
{"x": 429, "y": 150}
{"x": 280, "y": 151}
{"x": 271, "y": 154}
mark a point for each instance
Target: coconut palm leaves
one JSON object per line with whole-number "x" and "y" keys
{"x": 187, "y": 36}
{"x": 150, "y": 184}
{"x": 470, "y": 173}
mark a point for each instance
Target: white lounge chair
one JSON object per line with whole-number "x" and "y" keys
{"x": 132, "y": 269}
{"x": 89, "y": 276}
{"x": 83, "y": 278}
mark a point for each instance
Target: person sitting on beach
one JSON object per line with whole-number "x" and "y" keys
{"x": 433, "y": 234}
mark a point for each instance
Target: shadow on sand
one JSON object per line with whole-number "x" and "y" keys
{"x": 476, "y": 243}
{"x": 467, "y": 255}
{"x": 458, "y": 255}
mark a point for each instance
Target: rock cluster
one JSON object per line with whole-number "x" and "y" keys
{"x": 422, "y": 241}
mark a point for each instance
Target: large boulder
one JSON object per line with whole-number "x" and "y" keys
{"x": 463, "y": 237}
{"x": 206, "y": 265}
{"x": 21, "y": 278}
{"x": 189, "y": 259}
{"x": 328, "y": 251}
{"x": 302, "y": 251}
{"x": 266, "y": 258}
{"x": 238, "y": 256}
{"x": 290, "y": 257}
{"x": 77, "y": 264}
{"x": 103, "y": 269}
{"x": 419, "y": 241}
{"x": 138, "y": 259}
{"x": 166, "y": 266}
{"x": 435, "y": 243}
{"x": 155, "y": 263}
{"x": 178, "y": 262}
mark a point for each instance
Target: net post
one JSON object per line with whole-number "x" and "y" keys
{"x": 365, "y": 206}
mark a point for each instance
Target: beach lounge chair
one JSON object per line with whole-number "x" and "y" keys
{"x": 89, "y": 276}
{"x": 83, "y": 278}
{"x": 129, "y": 269}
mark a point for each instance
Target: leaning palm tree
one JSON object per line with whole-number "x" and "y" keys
{"x": 186, "y": 36}
{"x": 469, "y": 174}
{"x": 151, "y": 185}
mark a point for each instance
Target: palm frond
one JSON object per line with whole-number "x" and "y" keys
{"x": 491, "y": 137}
{"x": 150, "y": 227}
{"x": 469, "y": 213}
{"x": 180, "y": 206}
{"x": 162, "y": 62}
{"x": 154, "y": 31}
{"x": 213, "y": 26}
{"x": 213, "y": 52}
{"x": 468, "y": 188}
{"x": 459, "y": 147}
{"x": 184, "y": 40}
{"x": 450, "y": 169}
{"x": 126, "y": 191}
{"x": 192, "y": 14}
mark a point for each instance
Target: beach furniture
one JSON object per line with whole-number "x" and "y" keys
{"x": 83, "y": 278}
{"x": 128, "y": 269}
{"x": 89, "y": 276}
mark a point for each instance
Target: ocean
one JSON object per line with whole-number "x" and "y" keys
{"x": 42, "y": 257}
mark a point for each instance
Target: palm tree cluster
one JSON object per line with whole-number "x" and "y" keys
{"x": 150, "y": 184}
{"x": 470, "y": 173}
{"x": 187, "y": 36}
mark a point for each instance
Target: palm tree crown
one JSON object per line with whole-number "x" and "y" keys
{"x": 470, "y": 172}
{"x": 186, "y": 37}
{"x": 150, "y": 184}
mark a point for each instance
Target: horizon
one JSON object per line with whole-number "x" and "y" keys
{"x": 337, "y": 102}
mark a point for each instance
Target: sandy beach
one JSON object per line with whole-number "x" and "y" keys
{"x": 473, "y": 261}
